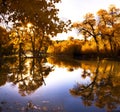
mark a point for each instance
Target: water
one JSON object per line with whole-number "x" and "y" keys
{"x": 59, "y": 85}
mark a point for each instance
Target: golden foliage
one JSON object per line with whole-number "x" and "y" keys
{"x": 102, "y": 29}
{"x": 69, "y": 47}
{"x": 103, "y": 90}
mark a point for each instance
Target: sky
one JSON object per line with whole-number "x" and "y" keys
{"x": 76, "y": 9}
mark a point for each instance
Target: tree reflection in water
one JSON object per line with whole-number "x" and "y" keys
{"x": 67, "y": 62}
{"x": 104, "y": 89}
{"x": 28, "y": 74}
{"x": 5, "y": 69}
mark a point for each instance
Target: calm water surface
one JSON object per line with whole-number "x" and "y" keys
{"x": 59, "y": 85}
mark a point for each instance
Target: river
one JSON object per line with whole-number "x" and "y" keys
{"x": 59, "y": 84}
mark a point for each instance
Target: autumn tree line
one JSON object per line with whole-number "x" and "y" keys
{"x": 100, "y": 33}
{"x": 27, "y": 27}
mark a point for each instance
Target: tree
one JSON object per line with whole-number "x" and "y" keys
{"x": 5, "y": 46}
{"x": 88, "y": 28}
{"x": 109, "y": 26}
{"x": 41, "y": 14}
{"x": 103, "y": 28}
{"x": 66, "y": 47}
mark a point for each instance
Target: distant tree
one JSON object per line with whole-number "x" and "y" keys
{"x": 70, "y": 38}
{"x": 66, "y": 47}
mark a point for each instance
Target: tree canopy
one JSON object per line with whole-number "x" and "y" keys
{"x": 33, "y": 22}
{"x": 102, "y": 28}
{"x": 41, "y": 13}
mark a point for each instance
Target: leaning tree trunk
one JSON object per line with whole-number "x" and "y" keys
{"x": 41, "y": 41}
{"x": 97, "y": 46}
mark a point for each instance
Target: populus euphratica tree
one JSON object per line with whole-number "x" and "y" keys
{"x": 104, "y": 28}
{"x": 41, "y": 14}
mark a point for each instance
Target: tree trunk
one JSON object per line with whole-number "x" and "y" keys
{"x": 97, "y": 45}
{"x": 0, "y": 50}
{"x": 111, "y": 47}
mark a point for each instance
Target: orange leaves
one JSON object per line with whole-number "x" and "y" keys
{"x": 102, "y": 12}
{"x": 102, "y": 28}
{"x": 76, "y": 25}
{"x": 67, "y": 47}
{"x": 89, "y": 16}
{"x": 41, "y": 13}
{"x": 87, "y": 26}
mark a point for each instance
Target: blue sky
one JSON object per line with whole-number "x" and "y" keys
{"x": 76, "y": 9}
